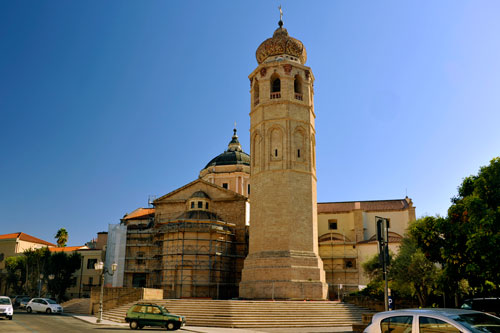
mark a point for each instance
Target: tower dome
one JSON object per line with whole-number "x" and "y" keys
{"x": 281, "y": 44}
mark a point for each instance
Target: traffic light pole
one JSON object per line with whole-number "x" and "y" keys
{"x": 383, "y": 240}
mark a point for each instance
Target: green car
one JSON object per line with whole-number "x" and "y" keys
{"x": 150, "y": 314}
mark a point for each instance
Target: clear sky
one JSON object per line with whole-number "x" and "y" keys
{"x": 103, "y": 103}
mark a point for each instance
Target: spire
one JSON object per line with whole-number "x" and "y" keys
{"x": 234, "y": 145}
{"x": 280, "y": 23}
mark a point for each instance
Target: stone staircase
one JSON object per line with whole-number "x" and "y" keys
{"x": 248, "y": 314}
{"x": 77, "y": 305}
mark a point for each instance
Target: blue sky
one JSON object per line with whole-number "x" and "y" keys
{"x": 103, "y": 103}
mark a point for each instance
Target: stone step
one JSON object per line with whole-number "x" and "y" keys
{"x": 77, "y": 305}
{"x": 251, "y": 314}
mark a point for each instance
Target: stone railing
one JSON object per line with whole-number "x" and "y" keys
{"x": 275, "y": 95}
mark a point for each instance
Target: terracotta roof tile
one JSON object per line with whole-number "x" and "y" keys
{"x": 375, "y": 205}
{"x": 139, "y": 213}
{"x": 26, "y": 238}
{"x": 68, "y": 248}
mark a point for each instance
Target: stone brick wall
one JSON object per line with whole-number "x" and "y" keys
{"x": 116, "y": 296}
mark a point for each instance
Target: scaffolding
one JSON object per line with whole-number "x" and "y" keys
{"x": 339, "y": 256}
{"x": 198, "y": 256}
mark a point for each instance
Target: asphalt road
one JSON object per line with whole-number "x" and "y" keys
{"x": 41, "y": 322}
{"x": 56, "y": 323}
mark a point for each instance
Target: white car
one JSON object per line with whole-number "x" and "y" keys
{"x": 43, "y": 305}
{"x": 433, "y": 320}
{"x": 6, "y": 309}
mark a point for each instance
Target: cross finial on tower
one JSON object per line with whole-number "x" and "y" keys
{"x": 280, "y": 23}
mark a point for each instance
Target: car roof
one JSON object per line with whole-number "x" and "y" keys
{"x": 430, "y": 311}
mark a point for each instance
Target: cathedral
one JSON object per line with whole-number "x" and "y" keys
{"x": 250, "y": 226}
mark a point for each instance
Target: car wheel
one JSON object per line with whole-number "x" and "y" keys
{"x": 48, "y": 310}
{"x": 134, "y": 325}
{"x": 10, "y": 317}
{"x": 28, "y": 309}
{"x": 171, "y": 326}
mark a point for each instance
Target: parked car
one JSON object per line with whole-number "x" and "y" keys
{"x": 16, "y": 300}
{"x": 433, "y": 320}
{"x": 488, "y": 304}
{"x": 23, "y": 302}
{"x": 43, "y": 305}
{"x": 150, "y": 314}
{"x": 6, "y": 308}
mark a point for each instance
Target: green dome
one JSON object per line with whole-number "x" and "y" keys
{"x": 232, "y": 156}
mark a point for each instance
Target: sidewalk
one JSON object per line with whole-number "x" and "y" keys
{"x": 196, "y": 329}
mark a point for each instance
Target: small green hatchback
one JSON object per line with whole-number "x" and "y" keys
{"x": 150, "y": 314}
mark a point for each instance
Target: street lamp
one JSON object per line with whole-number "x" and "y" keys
{"x": 40, "y": 284}
{"x": 99, "y": 267}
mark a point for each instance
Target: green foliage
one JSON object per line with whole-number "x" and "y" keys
{"x": 467, "y": 242}
{"x": 63, "y": 267}
{"x": 412, "y": 273}
{"x": 62, "y": 237}
{"x": 23, "y": 272}
{"x": 16, "y": 273}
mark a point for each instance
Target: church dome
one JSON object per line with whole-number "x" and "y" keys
{"x": 232, "y": 156}
{"x": 281, "y": 43}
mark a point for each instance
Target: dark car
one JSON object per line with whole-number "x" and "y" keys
{"x": 487, "y": 304}
{"x": 150, "y": 314}
{"x": 16, "y": 300}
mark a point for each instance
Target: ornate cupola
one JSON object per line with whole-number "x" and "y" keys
{"x": 283, "y": 260}
{"x": 281, "y": 46}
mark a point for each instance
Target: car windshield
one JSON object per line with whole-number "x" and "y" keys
{"x": 163, "y": 309}
{"x": 479, "y": 322}
{"x": 4, "y": 301}
{"x": 50, "y": 301}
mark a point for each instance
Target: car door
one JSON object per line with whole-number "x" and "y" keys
{"x": 154, "y": 316}
{"x": 35, "y": 304}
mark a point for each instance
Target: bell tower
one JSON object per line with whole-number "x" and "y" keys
{"x": 283, "y": 260}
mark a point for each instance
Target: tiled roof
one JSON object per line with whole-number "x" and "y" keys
{"x": 26, "y": 238}
{"x": 68, "y": 248}
{"x": 375, "y": 205}
{"x": 139, "y": 213}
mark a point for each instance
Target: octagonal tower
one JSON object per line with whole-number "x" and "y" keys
{"x": 283, "y": 260}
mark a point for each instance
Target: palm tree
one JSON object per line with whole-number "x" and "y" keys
{"x": 62, "y": 237}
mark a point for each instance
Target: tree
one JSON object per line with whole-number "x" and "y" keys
{"x": 412, "y": 273}
{"x": 63, "y": 267}
{"x": 472, "y": 234}
{"x": 62, "y": 237}
{"x": 467, "y": 241}
{"x": 16, "y": 274}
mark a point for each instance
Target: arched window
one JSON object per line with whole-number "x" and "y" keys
{"x": 275, "y": 86}
{"x": 256, "y": 93}
{"x": 297, "y": 87}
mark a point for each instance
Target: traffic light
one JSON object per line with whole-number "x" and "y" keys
{"x": 381, "y": 229}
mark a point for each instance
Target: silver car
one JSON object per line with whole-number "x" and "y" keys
{"x": 433, "y": 321}
{"x": 43, "y": 305}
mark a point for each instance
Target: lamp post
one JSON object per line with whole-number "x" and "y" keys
{"x": 99, "y": 267}
{"x": 40, "y": 284}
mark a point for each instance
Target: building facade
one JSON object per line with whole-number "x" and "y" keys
{"x": 193, "y": 241}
